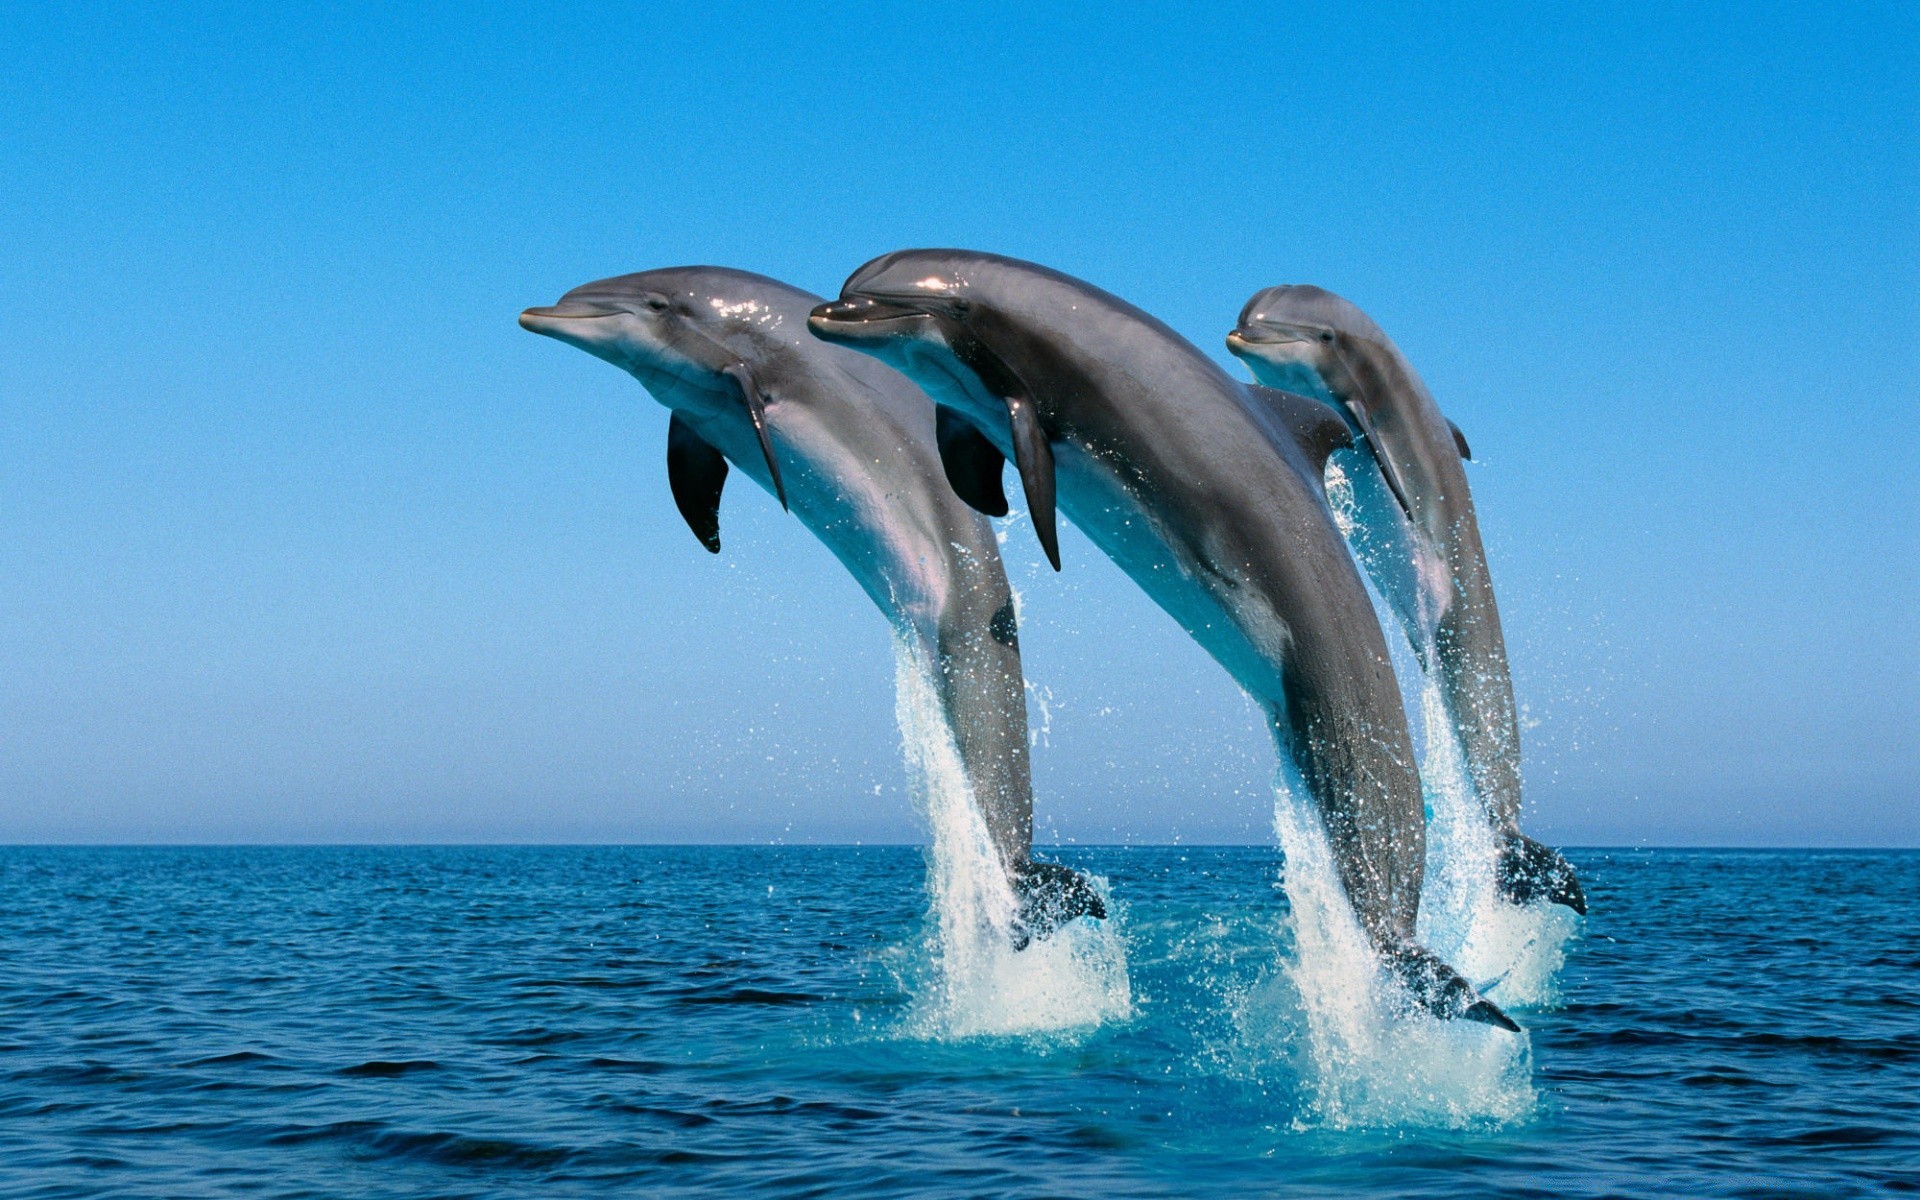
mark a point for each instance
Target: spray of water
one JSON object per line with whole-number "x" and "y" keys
{"x": 1513, "y": 954}
{"x": 969, "y": 981}
{"x": 1364, "y": 1056}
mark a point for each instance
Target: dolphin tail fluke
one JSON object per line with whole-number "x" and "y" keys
{"x": 1529, "y": 871}
{"x": 1441, "y": 990}
{"x": 1050, "y": 895}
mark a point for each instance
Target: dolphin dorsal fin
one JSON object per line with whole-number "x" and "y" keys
{"x": 1317, "y": 427}
{"x": 1460, "y": 440}
{"x": 973, "y": 464}
{"x": 696, "y": 472}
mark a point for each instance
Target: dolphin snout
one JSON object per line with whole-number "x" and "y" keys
{"x": 541, "y": 319}
{"x": 849, "y": 318}
{"x": 842, "y": 310}
{"x": 1257, "y": 335}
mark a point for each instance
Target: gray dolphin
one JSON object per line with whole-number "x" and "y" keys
{"x": 1422, "y": 545}
{"x": 1208, "y": 493}
{"x": 845, "y": 444}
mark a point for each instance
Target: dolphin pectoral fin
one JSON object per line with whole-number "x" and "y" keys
{"x": 696, "y": 472}
{"x": 1529, "y": 871}
{"x": 1316, "y": 426}
{"x": 972, "y": 463}
{"x": 750, "y": 391}
{"x": 1388, "y": 471}
{"x": 1441, "y": 990}
{"x": 1460, "y": 440}
{"x": 1033, "y": 457}
{"x": 1050, "y": 895}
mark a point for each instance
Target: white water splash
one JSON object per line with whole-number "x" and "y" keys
{"x": 1512, "y": 954}
{"x": 972, "y": 982}
{"x": 1365, "y": 1057}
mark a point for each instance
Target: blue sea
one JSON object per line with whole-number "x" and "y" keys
{"x": 689, "y": 1021}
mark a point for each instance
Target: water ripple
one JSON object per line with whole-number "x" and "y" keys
{"x": 587, "y": 1021}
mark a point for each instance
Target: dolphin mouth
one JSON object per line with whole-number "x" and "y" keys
{"x": 1263, "y": 335}
{"x": 533, "y": 318}
{"x": 859, "y": 313}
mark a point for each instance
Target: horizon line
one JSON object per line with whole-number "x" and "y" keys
{"x": 863, "y": 845}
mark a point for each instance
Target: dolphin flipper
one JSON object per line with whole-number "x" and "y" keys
{"x": 1441, "y": 990}
{"x": 696, "y": 472}
{"x": 1034, "y": 458}
{"x": 973, "y": 465}
{"x": 1529, "y": 871}
{"x": 1051, "y": 895}
{"x": 750, "y": 391}
{"x": 1389, "y": 470}
{"x": 1032, "y": 454}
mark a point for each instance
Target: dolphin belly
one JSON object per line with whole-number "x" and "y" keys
{"x": 1242, "y": 636}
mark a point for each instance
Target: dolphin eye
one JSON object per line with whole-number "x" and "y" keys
{"x": 961, "y": 307}
{"x": 1326, "y": 335}
{"x": 656, "y": 302}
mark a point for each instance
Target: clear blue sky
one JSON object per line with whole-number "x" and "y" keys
{"x": 301, "y": 538}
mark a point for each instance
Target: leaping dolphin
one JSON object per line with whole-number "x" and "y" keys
{"x": 1182, "y": 475}
{"x": 1422, "y": 546}
{"x": 846, "y": 445}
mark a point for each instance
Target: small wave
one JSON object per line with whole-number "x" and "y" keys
{"x": 85, "y": 1073}
{"x": 639, "y": 1066}
{"x": 749, "y": 996}
{"x": 227, "y": 1060}
{"x": 588, "y": 982}
{"x": 1819, "y": 1045}
{"x": 1840, "y": 1135}
{"x": 539, "y": 1036}
{"x": 1725, "y": 1079}
{"x": 387, "y": 1069}
{"x": 298, "y": 1135}
{"x": 672, "y": 1116}
{"x": 459, "y": 1149}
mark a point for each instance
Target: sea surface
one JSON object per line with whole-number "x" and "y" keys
{"x": 668, "y": 1021}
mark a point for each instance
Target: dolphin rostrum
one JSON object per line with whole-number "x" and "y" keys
{"x": 1208, "y": 493}
{"x": 1422, "y": 545}
{"x": 846, "y": 444}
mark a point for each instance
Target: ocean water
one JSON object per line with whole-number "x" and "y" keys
{"x": 664, "y": 1021}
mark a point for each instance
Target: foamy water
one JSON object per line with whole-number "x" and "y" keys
{"x": 968, "y": 979}
{"x": 1512, "y": 954}
{"x": 1367, "y": 1057}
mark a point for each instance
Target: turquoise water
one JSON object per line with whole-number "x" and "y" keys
{"x": 708, "y": 1021}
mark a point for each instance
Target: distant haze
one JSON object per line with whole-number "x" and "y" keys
{"x": 302, "y": 539}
